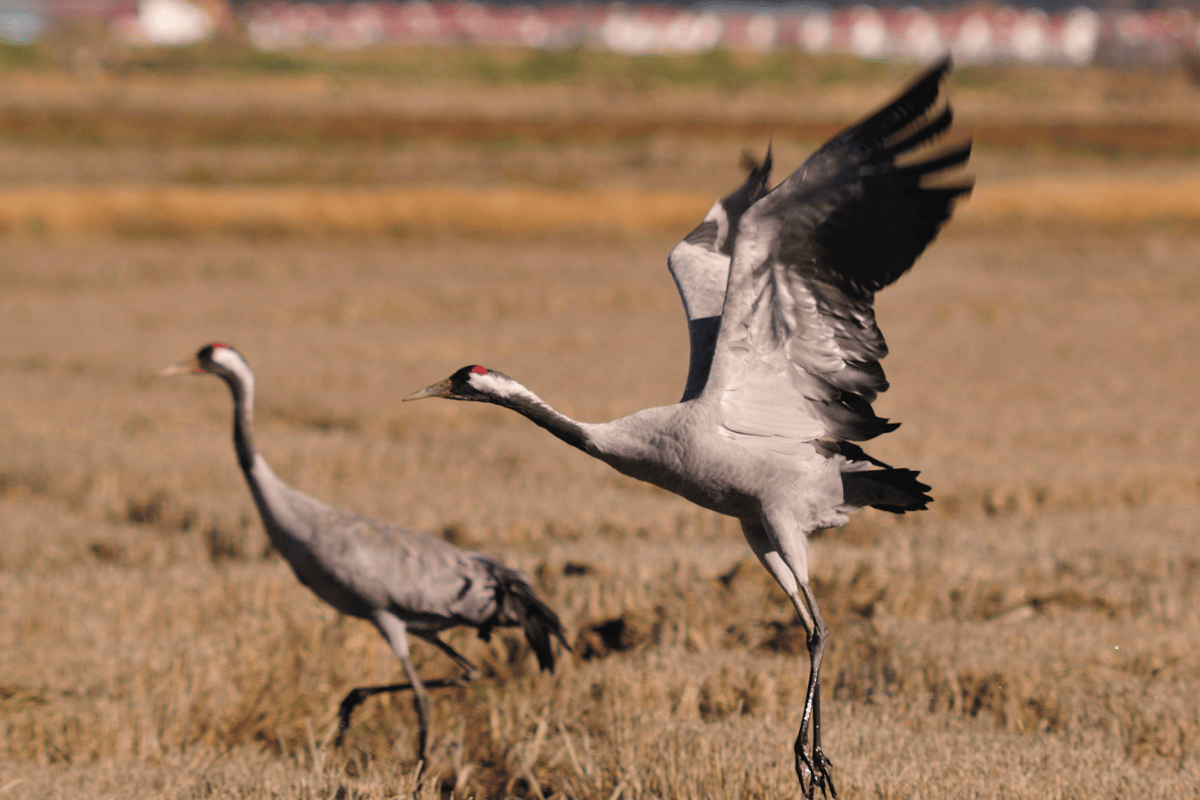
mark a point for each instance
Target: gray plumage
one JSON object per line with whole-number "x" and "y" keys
{"x": 778, "y": 288}
{"x": 700, "y": 266}
{"x": 400, "y": 580}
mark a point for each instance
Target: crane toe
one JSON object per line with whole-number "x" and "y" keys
{"x": 815, "y": 772}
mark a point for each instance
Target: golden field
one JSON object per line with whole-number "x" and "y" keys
{"x": 515, "y": 213}
{"x": 1035, "y": 634}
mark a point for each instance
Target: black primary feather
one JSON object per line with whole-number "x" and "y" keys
{"x": 851, "y": 221}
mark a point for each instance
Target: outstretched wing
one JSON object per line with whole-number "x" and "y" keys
{"x": 798, "y": 351}
{"x": 700, "y": 266}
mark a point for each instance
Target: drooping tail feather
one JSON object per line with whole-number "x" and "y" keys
{"x": 538, "y": 621}
{"x": 894, "y": 490}
{"x": 519, "y": 605}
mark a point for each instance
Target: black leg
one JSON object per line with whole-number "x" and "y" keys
{"x": 789, "y": 566}
{"x": 820, "y": 761}
{"x": 813, "y": 767}
{"x": 355, "y": 698}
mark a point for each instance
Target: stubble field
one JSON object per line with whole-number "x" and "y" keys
{"x": 1035, "y": 634}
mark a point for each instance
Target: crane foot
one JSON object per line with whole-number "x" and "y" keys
{"x": 815, "y": 772}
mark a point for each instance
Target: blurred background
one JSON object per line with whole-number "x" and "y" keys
{"x": 1062, "y": 32}
{"x": 363, "y": 197}
{"x": 109, "y": 97}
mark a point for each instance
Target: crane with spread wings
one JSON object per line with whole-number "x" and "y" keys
{"x": 779, "y": 286}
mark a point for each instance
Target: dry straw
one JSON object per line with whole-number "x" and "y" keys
{"x": 521, "y": 212}
{"x": 500, "y": 212}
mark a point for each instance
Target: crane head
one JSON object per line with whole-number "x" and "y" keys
{"x": 216, "y": 358}
{"x": 469, "y": 383}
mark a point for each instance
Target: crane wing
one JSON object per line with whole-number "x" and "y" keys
{"x": 700, "y": 266}
{"x": 798, "y": 351}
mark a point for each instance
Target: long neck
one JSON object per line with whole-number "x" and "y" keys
{"x": 529, "y": 405}
{"x": 242, "y": 387}
{"x": 273, "y": 498}
{"x": 627, "y": 444}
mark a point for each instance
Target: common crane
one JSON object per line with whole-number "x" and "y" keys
{"x": 778, "y": 287}
{"x": 400, "y": 580}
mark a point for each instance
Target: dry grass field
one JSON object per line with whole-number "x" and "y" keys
{"x": 1035, "y": 634}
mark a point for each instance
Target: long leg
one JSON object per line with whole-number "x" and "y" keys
{"x": 788, "y": 564}
{"x": 819, "y": 765}
{"x": 355, "y": 697}
{"x": 393, "y": 629}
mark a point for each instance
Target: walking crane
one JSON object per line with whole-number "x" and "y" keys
{"x": 401, "y": 581}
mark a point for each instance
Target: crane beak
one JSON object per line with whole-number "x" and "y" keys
{"x": 440, "y": 389}
{"x": 188, "y": 367}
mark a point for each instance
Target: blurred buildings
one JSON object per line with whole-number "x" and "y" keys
{"x": 974, "y": 33}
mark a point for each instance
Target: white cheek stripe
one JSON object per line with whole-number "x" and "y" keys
{"x": 227, "y": 359}
{"x": 501, "y": 387}
{"x": 487, "y": 382}
{"x": 230, "y": 360}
